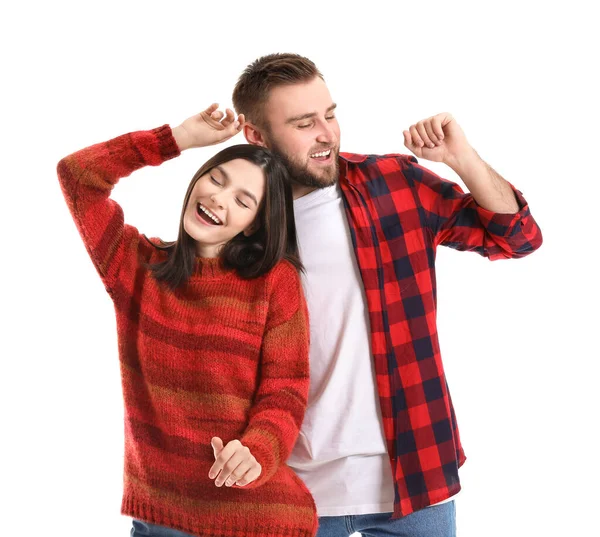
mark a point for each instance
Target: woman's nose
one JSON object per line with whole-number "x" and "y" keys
{"x": 216, "y": 199}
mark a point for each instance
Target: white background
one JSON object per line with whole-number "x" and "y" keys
{"x": 519, "y": 338}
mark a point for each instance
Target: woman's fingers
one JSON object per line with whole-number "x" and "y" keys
{"x": 236, "y": 459}
{"x": 234, "y": 465}
{"x": 221, "y": 458}
{"x": 230, "y": 457}
{"x": 251, "y": 475}
{"x": 217, "y": 115}
{"x": 229, "y": 118}
{"x": 227, "y": 122}
{"x": 238, "y": 473}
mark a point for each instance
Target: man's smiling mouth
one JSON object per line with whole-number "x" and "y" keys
{"x": 322, "y": 154}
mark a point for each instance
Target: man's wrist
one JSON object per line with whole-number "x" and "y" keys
{"x": 465, "y": 162}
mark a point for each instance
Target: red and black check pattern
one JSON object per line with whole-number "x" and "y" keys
{"x": 399, "y": 212}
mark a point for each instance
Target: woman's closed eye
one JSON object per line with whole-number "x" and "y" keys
{"x": 241, "y": 203}
{"x": 215, "y": 181}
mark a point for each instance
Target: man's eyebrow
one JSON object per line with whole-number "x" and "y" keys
{"x": 309, "y": 115}
{"x": 243, "y": 190}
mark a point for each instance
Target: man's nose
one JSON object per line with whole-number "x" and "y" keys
{"x": 326, "y": 134}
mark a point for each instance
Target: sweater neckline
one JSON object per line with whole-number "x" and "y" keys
{"x": 209, "y": 268}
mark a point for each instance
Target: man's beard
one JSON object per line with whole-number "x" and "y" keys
{"x": 300, "y": 173}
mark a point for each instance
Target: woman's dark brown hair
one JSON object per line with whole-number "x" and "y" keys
{"x": 251, "y": 256}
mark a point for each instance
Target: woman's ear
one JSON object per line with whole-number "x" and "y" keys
{"x": 252, "y": 228}
{"x": 253, "y": 135}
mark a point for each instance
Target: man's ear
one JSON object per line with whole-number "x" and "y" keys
{"x": 253, "y": 135}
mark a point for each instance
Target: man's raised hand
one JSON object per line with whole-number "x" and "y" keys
{"x": 438, "y": 138}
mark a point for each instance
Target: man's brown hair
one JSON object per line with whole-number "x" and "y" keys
{"x": 261, "y": 76}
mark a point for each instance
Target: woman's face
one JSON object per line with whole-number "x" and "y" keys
{"x": 224, "y": 202}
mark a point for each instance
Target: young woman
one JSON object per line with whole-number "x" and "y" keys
{"x": 212, "y": 331}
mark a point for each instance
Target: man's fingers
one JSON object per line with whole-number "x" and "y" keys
{"x": 420, "y": 126}
{"x": 416, "y": 139}
{"x": 444, "y": 118}
{"x": 428, "y": 124}
{"x": 411, "y": 145}
{"x": 436, "y": 124}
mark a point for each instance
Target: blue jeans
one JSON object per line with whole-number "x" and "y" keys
{"x": 145, "y": 529}
{"x": 436, "y": 521}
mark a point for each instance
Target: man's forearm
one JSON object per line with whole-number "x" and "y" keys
{"x": 488, "y": 188}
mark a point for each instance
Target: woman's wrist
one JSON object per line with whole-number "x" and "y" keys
{"x": 181, "y": 137}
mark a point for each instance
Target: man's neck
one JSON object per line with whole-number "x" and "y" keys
{"x": 299, "y": 191}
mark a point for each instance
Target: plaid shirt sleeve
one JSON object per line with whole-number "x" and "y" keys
{"x": 456, "y": 220}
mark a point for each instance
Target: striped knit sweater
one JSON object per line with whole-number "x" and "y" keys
{"x": 222, "y": 356}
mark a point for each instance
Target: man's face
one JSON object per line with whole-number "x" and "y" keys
{"x": 303, "y": 130}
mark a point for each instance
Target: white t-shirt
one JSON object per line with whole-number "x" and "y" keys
{"x": 340, "y": 453}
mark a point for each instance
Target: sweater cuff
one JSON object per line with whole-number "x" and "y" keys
{"x": 167, "y": 145}
{"x": 263, "y": 453}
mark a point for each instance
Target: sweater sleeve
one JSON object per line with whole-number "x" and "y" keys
{"x": 281, "y": 399}
{"x": 458, "y": 221}
{"x": 87, "y": 178}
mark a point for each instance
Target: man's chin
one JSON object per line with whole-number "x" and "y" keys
{"x": 315, "y": 181}
{"x": 322, "y": 177}
{"x": 310, "y": 174}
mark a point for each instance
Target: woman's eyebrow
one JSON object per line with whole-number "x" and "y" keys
{"x": 243, "y": 190}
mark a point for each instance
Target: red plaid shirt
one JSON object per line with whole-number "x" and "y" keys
{"x": 399, "y": 213}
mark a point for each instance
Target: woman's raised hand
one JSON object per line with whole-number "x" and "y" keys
{"x": 209, "y": 127}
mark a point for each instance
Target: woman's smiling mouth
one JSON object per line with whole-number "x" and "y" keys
{"x": 206, "y": 216}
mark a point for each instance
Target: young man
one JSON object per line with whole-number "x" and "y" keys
{"x": 368, "y": 228}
